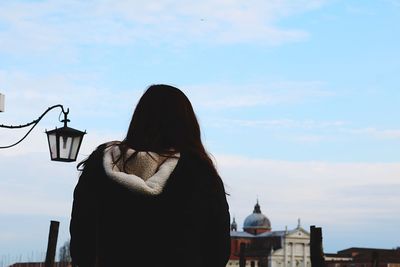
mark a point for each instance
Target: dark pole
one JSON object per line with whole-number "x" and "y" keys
{"x": 375, "y": 259}
{"x": 316, "y": 250}
{"x": 242, "y": 258}
{"x": 52, "y": 244}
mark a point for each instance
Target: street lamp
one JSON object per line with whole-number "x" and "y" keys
{"x": 64, "y": 142}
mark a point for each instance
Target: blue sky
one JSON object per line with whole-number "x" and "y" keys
{"x": 298, "y": 103}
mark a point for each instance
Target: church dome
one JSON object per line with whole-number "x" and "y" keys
{"x": 256, "y": 222}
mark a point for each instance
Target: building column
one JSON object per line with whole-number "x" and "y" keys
{"x": 305, "y": 255}
{"x": 285, "y": 254}
{"x": 293, "y": 263}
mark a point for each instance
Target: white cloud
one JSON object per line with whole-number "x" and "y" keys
{"x": 311, "y": 138}
{"x": 59, "y": 26}
{"x": 395, "y": 3}
{"x": 279, "y": 123}
{"x": 359, "y": 10}
{"x": 314, "y": 191}
{"x": 376, "y": 133}
{"x": 222, "y": 96}
{"x": 28, "y": 96}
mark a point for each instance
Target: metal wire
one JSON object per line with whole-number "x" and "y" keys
{"x": 35, "y": 122}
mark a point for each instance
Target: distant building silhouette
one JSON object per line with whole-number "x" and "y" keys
{"x": 364, "y": 257}
{"x": 39, "y": 264}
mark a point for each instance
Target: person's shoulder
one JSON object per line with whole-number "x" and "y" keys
{"x": 97, "y": 155}
{"x": 99, "y": 151}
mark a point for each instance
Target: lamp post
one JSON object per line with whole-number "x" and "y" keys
{"x": 64, "y": 143}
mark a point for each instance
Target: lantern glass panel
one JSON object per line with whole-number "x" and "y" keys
{"x": 65, "y": 146}
{"x": 75, "y": 145}
{"x": 52, "y": 145}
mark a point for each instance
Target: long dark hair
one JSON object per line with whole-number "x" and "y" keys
{"x": 164, "y": 122}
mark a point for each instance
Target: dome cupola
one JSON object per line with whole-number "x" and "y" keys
{"x": 256, "y": 222}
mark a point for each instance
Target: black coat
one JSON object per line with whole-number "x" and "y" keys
{"x": 187, "y": 225}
